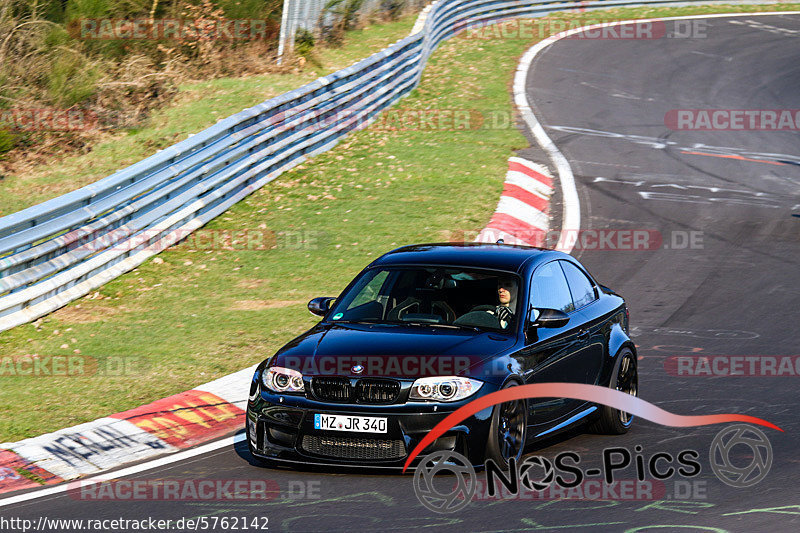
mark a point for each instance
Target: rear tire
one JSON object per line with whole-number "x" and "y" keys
{"x": 626, "y": 379}
{"x": 507, "y": 431}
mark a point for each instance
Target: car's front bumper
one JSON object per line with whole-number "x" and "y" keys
{"x": 281, "y": 428}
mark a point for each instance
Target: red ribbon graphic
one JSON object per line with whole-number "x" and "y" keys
{"x": 591, "y": 393}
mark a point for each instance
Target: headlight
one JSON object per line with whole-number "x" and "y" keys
{"x": 279, "y": 379}
{"x": 444, "y": 389}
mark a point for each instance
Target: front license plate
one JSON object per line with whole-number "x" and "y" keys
{"x": 359, "y": 424}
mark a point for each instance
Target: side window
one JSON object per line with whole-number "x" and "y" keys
{"x": 549, "y": 289}
{"x": 581, "y": 287}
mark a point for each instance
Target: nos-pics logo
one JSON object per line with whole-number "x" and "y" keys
{"x": 457, "y": 480}
{"x": 720, "y": 456}
{"x": 459, "y": 493}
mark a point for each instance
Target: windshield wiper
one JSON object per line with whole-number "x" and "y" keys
{"x": 411, "y": 323}
{"x": 439, "y": 325}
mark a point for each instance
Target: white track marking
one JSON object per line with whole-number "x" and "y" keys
{"x": 533, "y": 186}
{"x": 509, "y": 205}
{"x": 661, "y": 144}
{"x": 571, "y": 218}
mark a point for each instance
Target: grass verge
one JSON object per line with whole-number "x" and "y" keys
{"x": 214, "y": 305}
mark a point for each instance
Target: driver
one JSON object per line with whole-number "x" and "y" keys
{"x": 507, "y": 298}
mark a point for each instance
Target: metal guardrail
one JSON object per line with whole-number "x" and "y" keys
{"x": 61, "y": 249}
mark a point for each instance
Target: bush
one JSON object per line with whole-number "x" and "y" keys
{"x": 303, "y": 42}
{"x": 346, "y": 12}
{"x": 393, "y": 8}
{"x": 71, "y": 78}
{"x": 7, "y": 141}
{"x": 84, "y": 9}
{"x": 244, "y": 9}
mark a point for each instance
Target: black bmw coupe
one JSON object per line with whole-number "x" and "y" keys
{"x": 424, "y": 330}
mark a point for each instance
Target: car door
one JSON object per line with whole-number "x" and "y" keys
{"x": 589, "y": 360}
{"x": 549, "y": 353}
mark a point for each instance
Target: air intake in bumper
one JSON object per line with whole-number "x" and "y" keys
{"x": 354, "y": 448}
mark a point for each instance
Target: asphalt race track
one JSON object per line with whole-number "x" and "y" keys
{"x": 723, "y": 278}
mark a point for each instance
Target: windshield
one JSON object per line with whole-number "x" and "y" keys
{"x": 449, "y": 297}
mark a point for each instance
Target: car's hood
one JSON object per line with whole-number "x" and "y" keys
{"x": 389, "y": 350}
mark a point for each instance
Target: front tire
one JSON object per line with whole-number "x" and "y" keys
{"x": 626, "y": 379}
{"x": 508, "y": 431}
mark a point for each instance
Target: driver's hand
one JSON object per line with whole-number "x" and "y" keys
{"x": 503, "y": 313}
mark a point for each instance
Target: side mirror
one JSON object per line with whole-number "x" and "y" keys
{"x": 320, "y": 306}
{"x": 550, "y": 318}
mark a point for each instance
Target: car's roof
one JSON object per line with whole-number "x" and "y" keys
{"x": 471, "y": 254}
